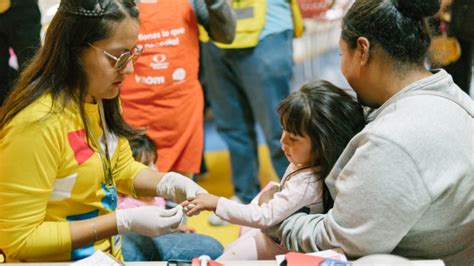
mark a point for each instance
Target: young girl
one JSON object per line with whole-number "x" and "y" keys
{"x": 318, "y": 121}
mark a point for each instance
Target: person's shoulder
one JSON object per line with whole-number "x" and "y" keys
{"x": 35, "y": 110}
{"x": 403, "y": 120}
{"x": 420, "y": 123}
{"x": 305, "y": 175}
{"x": 39, "y": 113}
{"x": 435, "y": 93}
{"x": 437, "y": 103}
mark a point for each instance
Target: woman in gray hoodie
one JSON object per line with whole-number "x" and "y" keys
{"x": 405, "y": 184}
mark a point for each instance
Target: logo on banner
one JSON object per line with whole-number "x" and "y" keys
{"x": 150, "y": 80}
{"x": 159, "y": 62}
{"x": 179, "y": 74}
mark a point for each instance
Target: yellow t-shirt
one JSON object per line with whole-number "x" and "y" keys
{"x": 50, "y": 175}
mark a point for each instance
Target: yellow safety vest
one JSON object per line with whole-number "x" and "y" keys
{"x": 250, "y": 16}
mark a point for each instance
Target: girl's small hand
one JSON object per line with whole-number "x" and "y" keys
{"x": 200, "y": 203}
{"x": 186, "y": 204}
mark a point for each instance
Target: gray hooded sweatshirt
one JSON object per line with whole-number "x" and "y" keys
{"x": 403, "y": 185}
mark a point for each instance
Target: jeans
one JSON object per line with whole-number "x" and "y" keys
{"x": 245, "y": 86}
{"x": 171, "y": 246}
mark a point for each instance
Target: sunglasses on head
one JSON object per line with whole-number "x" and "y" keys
{"x": 123, "y": 59}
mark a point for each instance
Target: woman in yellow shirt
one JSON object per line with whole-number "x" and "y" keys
{"x": 63, "y": 148}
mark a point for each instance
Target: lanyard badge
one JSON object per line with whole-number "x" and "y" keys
{"x": 110, "y": 190}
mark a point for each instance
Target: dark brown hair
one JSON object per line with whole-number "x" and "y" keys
{"x": 329, "y": 116}
{"x": 142, "y": 144}
{"x": 57, "y": 68}
{"x": 397, "y": 26}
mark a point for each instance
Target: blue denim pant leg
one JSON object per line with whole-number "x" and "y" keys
{"x": 245, "y": 86}
{"x": 267, "y": 84}
{"x": 187, "y": 246}
{"x": 136, "y": 247}
{"x": 170, "y": 246}
{"x": 233, "y": 118}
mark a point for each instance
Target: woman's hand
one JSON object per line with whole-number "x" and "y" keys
{"x": 178, "y": 187}
{"x": 201, "y": 202}
{"x": 150, "y": 221}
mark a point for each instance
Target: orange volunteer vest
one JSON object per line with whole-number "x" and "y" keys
{"x": 164, "y": 94}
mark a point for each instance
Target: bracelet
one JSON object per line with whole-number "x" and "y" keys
{"x": 94, "y": 230}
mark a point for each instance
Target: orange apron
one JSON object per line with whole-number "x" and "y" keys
{"x": 164, "y": 94}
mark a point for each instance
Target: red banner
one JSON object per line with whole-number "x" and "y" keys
{"x": 314, "y": 8}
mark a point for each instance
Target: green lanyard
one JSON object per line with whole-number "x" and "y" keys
{"x": 115, "y": 241}
{"x": 104, "y": 155}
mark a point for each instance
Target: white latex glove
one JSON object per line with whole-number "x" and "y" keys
{"x": 150, "y": 221}
{"x": 178, "y": 187}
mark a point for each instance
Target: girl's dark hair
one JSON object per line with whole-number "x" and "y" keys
{"x": 57, "y": 68}
{"x": 329, "y": 116}
{"x": 397, "y": 26}
{"x": 142, "y": 144}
